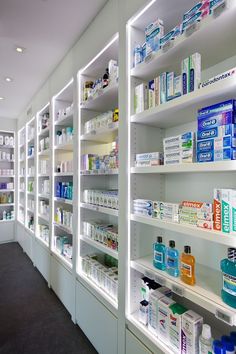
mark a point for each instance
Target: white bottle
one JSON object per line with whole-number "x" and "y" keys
{"x": 4, "y": 215}
{"x": 205, "y": 340}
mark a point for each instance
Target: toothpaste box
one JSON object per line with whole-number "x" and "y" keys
{"x": 157, "y": 90}
{"x": 216, "y": 120}
{"x": 198, "y": 206}
{"x": 217, "y": 132}
{"x": 185, "y": 75}
{"x": 205, "y": 224}
{"x": 194, "y": 71}
{"x": 163, "y": 87}
{"x": 151, "y": 94}
{"x": 154, "y": 297}
{"x": 143, "y": 203}
{"x": 216, "y": 3}
{"x": 163, "y": 317}
{"x": 225, "y": 75}
{"x": 217, "y": 209}
{"x": 203, "y": 5}
{"x": 149, "y": 156}
{"x": 190, "y": 332}
{"x": 217, "y": 155}
{"x": 233, "y": 211}
{"x": 170, "y": 36}
{"x": 170, "y": 85}
{"x": 176, "y": 312}
{"x": 194, "y": 19}
{"x": 177, "y": 86}
{"x": 186, "y": 140}
{"x": 138, "y": 55}
{"x": 225, "y": 210}
{"x": 216, "y": 144}
{"x": 221, "y": 107}
{"x": 153, "y": 33}
{"x": 140, "y": 98}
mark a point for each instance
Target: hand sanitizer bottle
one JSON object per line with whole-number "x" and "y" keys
{"x": 159, "y": 254}
{"x": 205, "y": 340}
{"x": 228, "y": 267}
{"x": 172, "y": 260}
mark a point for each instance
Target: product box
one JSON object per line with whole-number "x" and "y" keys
{"x": 216, "y": 120}
{"x": 216, "y": 3}
{"x": 194, "y": 71}
{"x": 143, "y": 203}
{"x": 217, "y": 155}
{"x": 227, "y": 74}
{"x": 203, "y": 5}
{"x": 225, "y": 210}
{"x": 153, "y": 33}
{"x": 154, "y": 297}
{"x": 214, "y": 110}
{"x": 151, "y": 94}
{"x": 157, "y": 90}
{"x": 163, "y": 87}
{"x": 176, "y": 312}
{"x": 233, "y": 211}
{"x": 217, "y": 132}
{"x": 185, "y": 139}
{"x": 170, "y": 36}
{"x": 196, "y": 206}
{"x": 148, "y": 159}
{"x": 140, "y": 98}
{"x": 163, "y": 317}
{"x": 216, "y": 144}
{"x": 217, "y": 209}
{"x": 190, "y": 332}
{"x": 177, "y": 86}
{"x": 170, "y": 85}
{"x": 138, "y": 55}
{"x": 185, "y": 75}
{"x": 204, "y": 224}
{"x": 194, "y": 20}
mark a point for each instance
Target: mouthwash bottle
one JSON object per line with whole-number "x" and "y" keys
{"x": 187, "y": 266}
{"x": 159, "y": 254}
{"x": 228, "y": 267}
{"x": 172, "y": 260}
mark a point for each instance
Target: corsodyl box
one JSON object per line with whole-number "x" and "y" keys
{"x": 176, "y": 312}
{"x": 163, "y": 317}
{"x": 191, "y": 330}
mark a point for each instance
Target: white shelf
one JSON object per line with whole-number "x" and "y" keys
{"x": 100, "y": 209}
{"x": 7, "y": 190}
{"x": 9, "y": 160}
{"x": 31, "y": 157}
{"x": 30, "y": 140}
{"x": 67, "y": 262}
{"x": 43, "y": 217}
{"x": 21, "y": 176}
{"x": 43, "y": 175}
{"x": 113, "y": 171}
{"x": 100, "y": 246}
{"x": 206, "y": 292}
{"x": 9, "y": 176}
{"x": 63, "y": 200}
{"x": 44, "y": 152}
{"x": 30, "y": 211}
{"x": 105, "y": 100}
{"x": 30, "y": 193}
{"x": 31, "y": 176}
{"x": 171, "y": 113}
{"x": 21, "y": 206}
{"x": 63, "y": 227}
{"x": 42, "y": 240}
{"x": 219, "y": 166}
{"x": 102, "y": 135}
{"x": 21, "y": 191}
{"x": 2, "y": 221}
{"x": 7, "y": 146}
{"x": 6, "y": 204}
{"x": 193, "y": 231}
{"x": 44, "y": 132}
{"x": 63, "y": 174}
{"x": 43, "y": 196}
{"x": 67, "y": 146}
{"x": 209, "y": 33}
{"x": 65, "y": 121}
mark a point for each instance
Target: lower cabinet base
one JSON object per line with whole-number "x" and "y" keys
{"x": 25, "y": 239}
{"x": 96, "y": 321}
{"x": 134, "y": 346}
{"x": 42, "y": 260}
{"x": 7, "y": 231}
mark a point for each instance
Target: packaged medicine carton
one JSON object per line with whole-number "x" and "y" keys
{"x": 153, "y": 33}
{"x": 151, "y": 94}
{"x": 170, "y": 36}
{"x": 170, "y": 85}
{"x": 157, "y": 90}
{"x": 163, "y": 88}
{"x": 200, "y": 6}
{"x": 194, "y": 71}
{"x": 216, "y": 144}
{"x": 175, "y": 325}
{"x": 153, "y": 307}
{"x": 140, "y": 98}
{"x": 217, "y": 209}
{"x": 163, "y": 317}
{"x": 233, "y": 211}
{"x": 177, "y": 86}
{"x": 190, "y": 332}
{"x": 184, "y": 139}
{"x": 185, "y": 75}
{"x": 225, "y": 210}
{"x": 221, "y": 107}
{"x": 217, "y": 132}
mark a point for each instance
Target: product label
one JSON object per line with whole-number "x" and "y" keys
{"x": 158, "y": 256}
{"x": 217, "y": 211}
{"x": 171, "y": 262}
{"x": 229, "y": 284}
{"x": 225, "y": 217}
{"x": 186, "y": 269}
{"x": 233, "y": 219}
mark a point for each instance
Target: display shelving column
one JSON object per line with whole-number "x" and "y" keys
{"x": 21, "y": 211}
{"x": 63, "y": 182}
{"x": 98, "y": 167}
{"x": 177, "y": 182}
{"x": 43, "y": 199}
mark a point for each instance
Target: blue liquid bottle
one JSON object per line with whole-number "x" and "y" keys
{"x": 228, "y": 267}
{"x": 159, "y": 254}
{"x": 172, "y": 260}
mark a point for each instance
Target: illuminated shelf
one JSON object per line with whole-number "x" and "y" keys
{"x": 44, "y": 132}
{"x": 44, "y": 152}
{"x": 6, "y": 204}
{"x": 21, "y": 206}
{"x": 100, "y": 246}
{"x": 65, "y": 121}
{"x": 21, "y": 191}
{"x": 43, "y": 217}
{"x": 1, "y": 160}
{"x": 7, "y": 146}
{"x": 43, "y": 175}
{"x": 31, "y": 140}
{"x": 103, "y": 135}
{"x": 31, "y": 157}
{"x": 100, "y": 209}
{"x": 9, "y": 176}
{"x": 43, "y": 196}
{"x": 62, "y": 200}
{"x": 67, "y": 146}
{"x": 2, "y": 221}
{"x": 114, "y": 171}
{"x": 63, "y": 259}
{"x": 106, "y": 99}
{"x": 30, "y": 211}
{"x": 6, "y": 190}
{"x": 30, "y": 193}
{"x": 38, "y": 238}
{"x": 63, "y": 174}
{"x": 63, "y": 227}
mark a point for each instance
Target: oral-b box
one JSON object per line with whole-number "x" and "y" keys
{"x": 216, "y": 120}
{"x": 216, "y": 3}
{"x": 216, "y": 155}
{"x": 190, "y": 332}
{"x": 196, "y": 18}
{"x": 233, "y": 211}
{"x": 185, "y": 75}
{"x": 163, "y": 87}
{"x": 203, "y": 5}
{"x": 194, "y": 71}
{"x": 170, "y": 36}
{"x": 170, "y": 85}
{"x": 217, "y": 223}
{"x": 216, "y": 144}
{"x": 153, "y": 33}
{"x": 221, "y": 107}
{"x": 163, "y": 316}
{"x": 217, "y": 132}
{"x": 225, "y": 210}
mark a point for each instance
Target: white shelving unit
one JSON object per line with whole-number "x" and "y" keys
{"x": 194, "y": 181}
{"x": 97, "y": 140}
{"x": 63, "y": 181}
{"x": 21, "y": 175}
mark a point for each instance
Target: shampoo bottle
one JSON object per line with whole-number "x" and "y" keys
{"x": 205, "y": 340}
{"x": 172, "y": 260}
{"x": 228, "y": 268}
{"x": 159, "y": 254}
{"x": 187, "y": 267}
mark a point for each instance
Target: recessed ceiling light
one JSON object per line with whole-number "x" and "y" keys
{"x": 1, "y": 98}
{"x": 20, "y": 49}
{"x": 8, "y": 79}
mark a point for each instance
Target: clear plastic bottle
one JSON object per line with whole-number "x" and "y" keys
{"x": 205, "y": 340}
{"x": 172, "y": 260}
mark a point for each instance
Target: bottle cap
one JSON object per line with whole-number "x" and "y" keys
{"x": 187, "y": 249}
{"x": 232, "y": 254}
{"x": 233, "y": 337}
{"x": 172, "y": 243}
{"x": 227, "y": 343}
{"x": 206, "y": 331}
{"x": 159, "y": 239}
{"x": 218, "y": 347}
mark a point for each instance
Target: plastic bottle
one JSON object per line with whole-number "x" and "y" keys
{"x": 159, "y": 254}
{"x": 228, "y": 267}
{"x": 205, "y": 340}
{"x": 105, "y": 80}
{"x": 172, "y": 260}
{"x": 4, "y": 215}
{"x": 228, "y": 344}
{"x": 218, "y": 347}
{"x": 187, "y": 266}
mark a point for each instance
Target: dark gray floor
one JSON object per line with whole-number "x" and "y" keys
{"x": 32, "y": 319}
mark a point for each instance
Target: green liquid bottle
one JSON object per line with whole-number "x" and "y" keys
{"x": 228, "y": 268}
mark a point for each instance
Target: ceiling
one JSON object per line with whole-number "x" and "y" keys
{"x": 47, "y": 29}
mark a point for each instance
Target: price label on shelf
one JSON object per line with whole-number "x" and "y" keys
{"x": 178, "y": 290}
{"x": 149, "y": 275}
{"x": 160, "y": 280}
{"x": 224, "y": 316}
